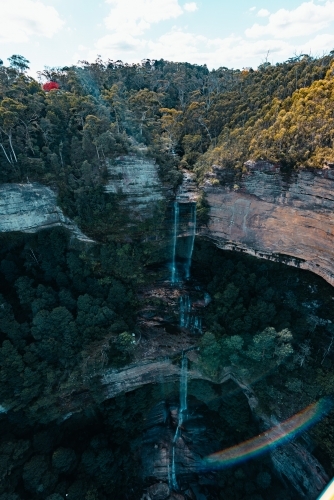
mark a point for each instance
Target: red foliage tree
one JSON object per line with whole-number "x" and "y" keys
{"x": 50, "y": 86}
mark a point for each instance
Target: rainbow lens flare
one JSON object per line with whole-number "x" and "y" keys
{"x": 271, "y": 438}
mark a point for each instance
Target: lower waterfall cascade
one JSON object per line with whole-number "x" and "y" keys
{"x": 181, "y": 418}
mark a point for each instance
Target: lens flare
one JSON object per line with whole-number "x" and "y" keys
{"x": 328, "y": 494}
{"x": 276, "y": 436}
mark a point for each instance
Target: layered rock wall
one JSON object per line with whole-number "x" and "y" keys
{"x": 137, "y": 178}
{"x": 293, "y": 463}
{"x": 276, "y": 217}
{"x": 31, "y": 207}
{"x": 268, "y": 214}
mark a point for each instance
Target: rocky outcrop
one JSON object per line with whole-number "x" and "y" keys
{"x": 115, "y": 382}
{"x": 295, "y": 465}
{"x": 157, "y": 448}
{"x": 31, "y": 207}
{"x": 274, "y": 216}
{"x": 300, "y": 470}
{"x": 267, "y": 214}
{"x": 137, "y": 178}
{"x": 188, "y": 191}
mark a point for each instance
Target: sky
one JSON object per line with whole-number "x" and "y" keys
{"x": 235, "y": 34}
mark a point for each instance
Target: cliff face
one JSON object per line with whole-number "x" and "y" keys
{"x": 31, "y": 207}
{"x": 293, "y": 463}
{"x": 267, "y": 214}
{"x": 273, "y": 216}
{"x": 138, "y": 179}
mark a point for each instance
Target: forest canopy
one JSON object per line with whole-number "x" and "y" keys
{"x": 185, "y": 115}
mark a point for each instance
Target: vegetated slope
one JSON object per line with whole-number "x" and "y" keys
{"x": 63, "y": 309}
{"x": 180, "y": 111}
{"x": 295, "y": 131}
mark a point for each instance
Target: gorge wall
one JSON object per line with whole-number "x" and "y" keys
{"x": 293, "y": 463}
{"x": 137, "y": 178}
{"x": 30, "y": 207}
{"x": 274, "y": 216}
{"x": 267, "y": 214}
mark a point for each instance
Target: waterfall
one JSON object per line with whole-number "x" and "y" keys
{"x": 182, "y": 411}
{"x": 176, "y": 224}
{"x": 183, "y": 386}
{"x": 207, "y": 299}
{"x": 197, "y": 325}
{"x": 189, "y": 239}
{"x": 185, "y": 310}
{"x": 192, "y": 240}
{"x": 187, "y": 318}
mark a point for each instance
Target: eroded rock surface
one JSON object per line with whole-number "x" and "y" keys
{"x": 297, "y": 467}
{"x": 272, "y": 216}
{"x": 31, "y": 207}
{"x": 137, "y": 178}
{"x": 300, "y": 470}
{"x": 188, "y": 191}
{"x": 137, "y": 375}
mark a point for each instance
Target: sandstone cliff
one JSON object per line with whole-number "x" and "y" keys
{"x": 267, "y": 214}
{"x": 293, "y": 463}
{"x": 137, "y": 178}
{"x": 31, "y": 207}
{"x": 272, "y": 216}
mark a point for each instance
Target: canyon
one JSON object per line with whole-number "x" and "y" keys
{"x": 266, "y": 213}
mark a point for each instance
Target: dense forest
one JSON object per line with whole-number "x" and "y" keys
{"x": 69, "y": 310}
{"x": 68, "y": 314}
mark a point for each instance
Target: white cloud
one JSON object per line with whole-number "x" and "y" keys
{"x": 118, "y": 46}
{"x": 135, "y": 17}
{"x": 190, "y": 7}
{"x": 252, "y": 8}
{"x": 305, "y": 20}
{"x": 319, "y": 45}
{"x": 22, "y": 19}
{"x": 230, "y": 51}
{"x": 129, "y": 42}
{"x": 263, "y": 13}
{"x": 176, "y": 45}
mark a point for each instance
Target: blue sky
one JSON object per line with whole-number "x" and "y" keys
{"x": 215, "y": 32}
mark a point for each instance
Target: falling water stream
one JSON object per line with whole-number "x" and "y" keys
{"x": 181, "y": 416}
{"x": 192, "y": 239}
{"x": 187, "y": 318}
{"x": 176, "y": 224}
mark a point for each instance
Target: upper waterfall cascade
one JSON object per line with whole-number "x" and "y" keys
{"x": 192, "y": 226}
{"x": 183, "y": 240}
{"x": 174, "y": 277}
